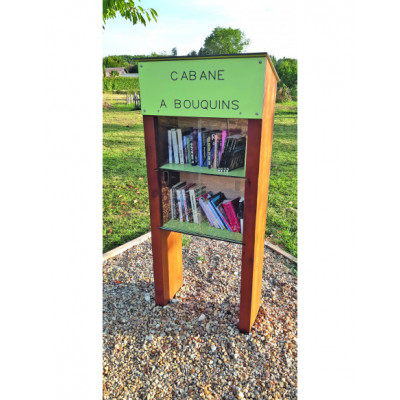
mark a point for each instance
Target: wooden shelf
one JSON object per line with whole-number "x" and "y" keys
{"x": 236, "y": 173}
{"x": 204, "y": 229}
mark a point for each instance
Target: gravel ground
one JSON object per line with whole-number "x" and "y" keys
{"x": 191, "y": 348}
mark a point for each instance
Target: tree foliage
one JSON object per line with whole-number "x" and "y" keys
{"x": 287, "y": 71}
{"x": 115, "y": 61}
{"x": 224, "y": 41}
{"x": 128, "y": 10}
{"x": 174, "y": 51}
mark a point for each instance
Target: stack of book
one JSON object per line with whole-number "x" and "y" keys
{"x": 193, "y": 203}
{"x": 207, "y": 148}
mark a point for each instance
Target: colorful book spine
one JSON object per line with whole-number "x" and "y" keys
{"x": 231, "y": 214}
{"x": 175, "y": 146}
{"x": 217, "y": 138}
{"x": 180, "y": 204}
{"x": 185, "y": 155}
{"x": 208, "y": 151}
{"x": 214, "y": 201}
{"x": 223, "y": 138}
{"x": 173, "y": 196}
{"x": 193, "y": 148}
{"x": 186, "y": 203}
{"x": 170, "y": 158}
{"x": 240, "y": 213}
{"x": 200, "y": 148}
{"x": 188, "y": 148}
{"x": 203, "y": 204}
{"x": 180, "y": 146}
{"x": 195, "y": 192}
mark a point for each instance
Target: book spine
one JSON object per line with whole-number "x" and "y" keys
{"x": 175, "y": 146}
{"x": 200, "y": 149}
{"x": 223, "y": 157}
{"x": 179, "y": 201}
{"x": 216, "y": 138}
{"x": 233, "y": 219}
{"x": 209, "y": 151}
{"x": 184, "y": 144}
{"x": 240, "y": 213}
{"x": 180, "y": 146}
{"x": 204, "y": 148}
{"x": 223, "y": 138}
{"x": 219, "y": 216}
{"x": 170, "y": 147}
{"x": 188, "y": 149}
{"x": 185, "y": 205}
{"x": 217, "y": 222}
{"x": 203, "y": 205}
{"x": 193, "y": 147}
{"x": 194, "y": 206}
{"x": 224, "y": 217}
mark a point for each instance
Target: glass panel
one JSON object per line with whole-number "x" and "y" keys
{"x": 212, "y": 146}
{"x": 202, "y": 166}
{"x": 202, "y": 204}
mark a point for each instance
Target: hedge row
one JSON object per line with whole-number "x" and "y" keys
{"x": 119, "y": 83}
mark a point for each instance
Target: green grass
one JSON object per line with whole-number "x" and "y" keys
{"x": 282, "y": 199}
{"x": 125, "y": 194}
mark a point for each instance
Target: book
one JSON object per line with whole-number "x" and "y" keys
{"x": 193, "y": 147}
{"x": 185, "y": 155}
{"x": 231, "y": 144}
{"x": 214, "y": 202}
{"x": 237, "y": 158}
{"x": 170, "y": 158}
{"x": 186, "y": 202}
{"x": 225, "y": 151}
{"x": 195, "y": 192}
{"x": 205, "y": 135}
{"x": 231, "y": 208}
{"x": 180, "y": 204}
{"x": 199, "y": 149}
{"x": 217, "y": 143}
{"x": 208, "y": 139}
{"x": 180, "y": 146}
{"x": 174, "y": 188}
{"x": 223, "y": 138}
{"x": 175, "y": 146}
{"x": 203, "y": 201}
{"x": 189, "y": 154}
{"x": 240, "y": 213}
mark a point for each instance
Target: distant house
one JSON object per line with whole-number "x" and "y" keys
{"x": 120, "y": 70}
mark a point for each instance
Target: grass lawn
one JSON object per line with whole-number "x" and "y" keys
{"x": 125, "y": 196}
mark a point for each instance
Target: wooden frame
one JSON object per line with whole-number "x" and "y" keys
{"x": 167, "y": 246}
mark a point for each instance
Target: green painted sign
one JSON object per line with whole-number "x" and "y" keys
{"x": 210, "y": 87}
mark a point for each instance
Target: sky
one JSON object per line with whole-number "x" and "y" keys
{"x": 270, "y": 26}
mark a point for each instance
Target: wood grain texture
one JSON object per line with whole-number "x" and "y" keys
{"x": 259, "y": 146}
{"x": 167, "y": 267}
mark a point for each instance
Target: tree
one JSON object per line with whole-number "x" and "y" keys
{"x": 115, "y": 61}
{"x": 224, "y": 41}
{"x": 128, "y": 10}
{"x": 287, "y": 71}
{"x": 192, "y": 53}
{"x": 174, "y": 51}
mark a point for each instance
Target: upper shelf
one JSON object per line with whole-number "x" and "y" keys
{"x": 236, "y": 173}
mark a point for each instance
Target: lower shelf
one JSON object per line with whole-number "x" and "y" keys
{"x": 203, "y": 229}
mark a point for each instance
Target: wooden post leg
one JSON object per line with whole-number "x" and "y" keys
{"x": 167, "y": 264}
{"x": 250, "y": 290}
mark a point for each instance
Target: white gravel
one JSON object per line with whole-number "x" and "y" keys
{"x": 192, "y": 349}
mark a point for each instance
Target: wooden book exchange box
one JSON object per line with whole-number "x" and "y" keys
{"x": 208, "y": 124}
